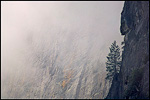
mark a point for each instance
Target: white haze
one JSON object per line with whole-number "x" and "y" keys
{"x": 80, "y": 29}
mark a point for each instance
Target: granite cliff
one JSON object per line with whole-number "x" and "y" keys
{"x": 133, "y": 80}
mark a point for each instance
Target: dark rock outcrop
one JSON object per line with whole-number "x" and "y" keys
{"x": 133, "y": 79}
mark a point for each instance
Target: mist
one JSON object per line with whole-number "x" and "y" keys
{"x": 41, "y": 39}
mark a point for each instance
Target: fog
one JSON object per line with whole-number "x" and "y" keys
{"x": 38, "y": 34}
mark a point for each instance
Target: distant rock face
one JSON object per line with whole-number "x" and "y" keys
{"x": 59, "y": 66}
{"x": 133, "y": 79}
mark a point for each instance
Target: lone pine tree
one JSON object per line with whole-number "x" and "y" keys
{"x": 113, "y": 61}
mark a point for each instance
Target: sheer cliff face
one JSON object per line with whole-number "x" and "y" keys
{"x": 55, "y": 69}
{"x": 133, "y": 79}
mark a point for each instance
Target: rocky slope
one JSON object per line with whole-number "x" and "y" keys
{"x": 133, "y": 80}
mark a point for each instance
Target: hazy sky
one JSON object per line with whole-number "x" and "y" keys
{"x": 97, "y": 17}
{"x": 91, "y": 25}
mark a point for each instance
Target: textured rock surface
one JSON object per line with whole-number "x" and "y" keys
{"x": 56, "y": 70}
{"x": 133, "y": 79}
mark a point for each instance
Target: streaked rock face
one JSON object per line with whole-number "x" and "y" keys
{"x": 135, "y": 27}
{"x": 57, "y": 72}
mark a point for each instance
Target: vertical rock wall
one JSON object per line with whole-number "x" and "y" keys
{"x": 133, "y": 79}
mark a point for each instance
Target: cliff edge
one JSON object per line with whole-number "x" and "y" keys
{"x": 133, "y": 80}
